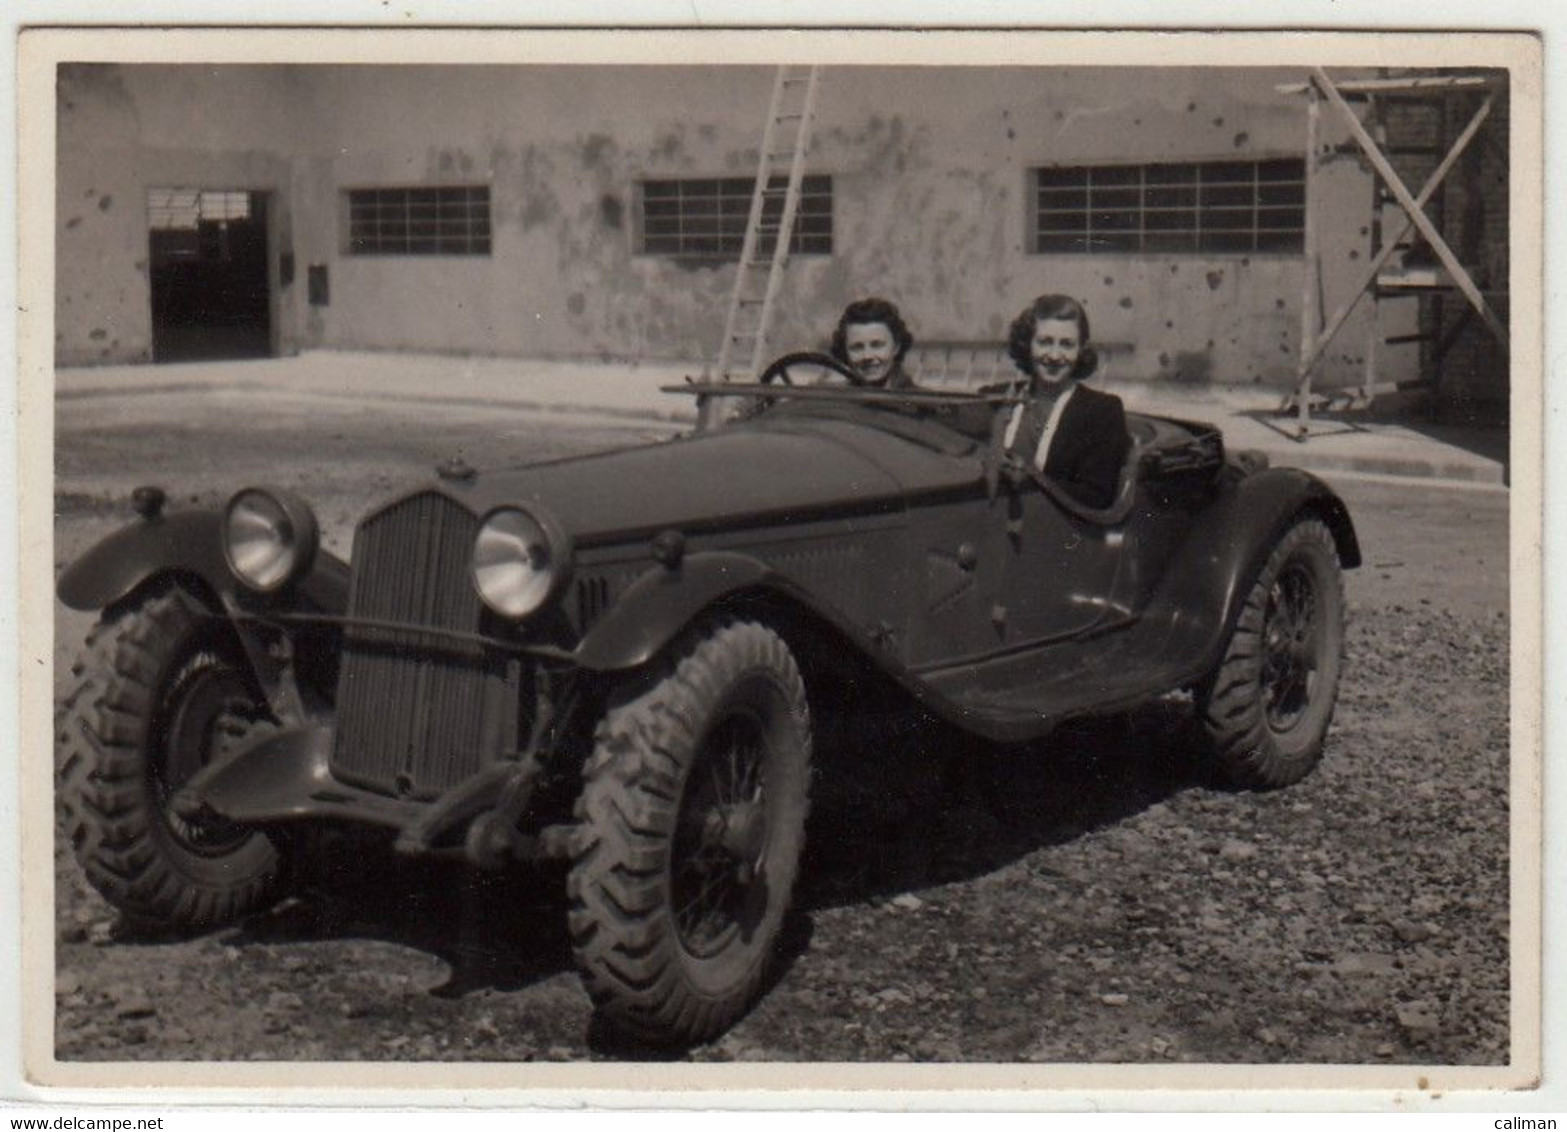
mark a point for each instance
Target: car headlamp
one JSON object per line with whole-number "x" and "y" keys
{"x": 269, "y": 538}
{"x": 517, "y": 562}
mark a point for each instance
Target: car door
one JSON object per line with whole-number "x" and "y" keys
{"x": 1059, "y": 571}
{"x": 957, "y": 559}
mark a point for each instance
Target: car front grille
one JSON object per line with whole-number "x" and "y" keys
{"x": 418, "y": 712}
{"x": 592, "y": 600}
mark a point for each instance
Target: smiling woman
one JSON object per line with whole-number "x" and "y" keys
{"x": 1074, "y": 435}
{"x": 872, "y": 337}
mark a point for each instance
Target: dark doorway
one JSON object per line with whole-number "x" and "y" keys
{"x": 208, "y": 256}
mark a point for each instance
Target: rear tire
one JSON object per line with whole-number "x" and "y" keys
{"x": 159, "y": 692}
{"x": 1267, "y": 706}
{"x": 692, "y": 820}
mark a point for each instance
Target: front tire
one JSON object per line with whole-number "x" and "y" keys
{"x": 692, "y": 820}
{"x": 1267, "y": 707}
{"x": 159, "y": 693}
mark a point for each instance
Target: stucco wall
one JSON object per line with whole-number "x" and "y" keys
{"x": 101, "y": 292}
{"x": 123, "y": 130}
{"x": 930, "y": 171}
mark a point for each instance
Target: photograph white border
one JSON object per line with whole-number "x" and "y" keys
{"x": 633, "y": 1084}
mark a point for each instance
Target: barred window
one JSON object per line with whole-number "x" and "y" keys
{"x": 184, "y": 209}
{"x": 437, "y": 220}
{"x": 1208, "y": 206}
{"x": 189, "y": 224}
{"x": 706, "y": 217}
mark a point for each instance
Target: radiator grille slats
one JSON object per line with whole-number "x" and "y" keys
{"x": 416, "y": 713}
{"x": 592, "y": 600}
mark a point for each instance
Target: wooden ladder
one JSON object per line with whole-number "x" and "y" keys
{"x": 769, "y": 230}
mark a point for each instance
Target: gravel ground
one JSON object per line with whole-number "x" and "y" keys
{"x": 1095, "y": 897}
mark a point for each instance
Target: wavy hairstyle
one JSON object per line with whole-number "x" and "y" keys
{"x": 872, "y": 310}
{"x": 1021, "y": 335}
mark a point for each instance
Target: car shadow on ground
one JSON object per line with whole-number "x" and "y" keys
{"x": 901, "y": 803}
{"x": 499, "y": 931}
{"x": 934, "y": 807}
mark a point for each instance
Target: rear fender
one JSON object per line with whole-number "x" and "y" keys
{"x": 188, "y": 544}
{"x": 662, "y": 602}
{"x": 1208, "y": 581}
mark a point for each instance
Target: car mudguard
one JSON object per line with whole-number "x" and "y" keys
{"x": 1207, "y": 582}
{"x": 663, "y": 601}
{"x": 189, "y": 544}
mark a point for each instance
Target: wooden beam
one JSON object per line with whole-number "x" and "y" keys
{"x": 1369, "y": 274}
{"x": 1310, "y": 312}
{"x": 1417, "y": 84}
{"x": 1416, "y": 212}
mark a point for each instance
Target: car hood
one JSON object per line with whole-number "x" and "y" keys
{"x": 735, "y": 477}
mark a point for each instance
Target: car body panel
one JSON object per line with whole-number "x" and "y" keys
{"x": 184, "y": 542}
{"x": 187, "y": 544}
{"x": 1175, "y": 640}
{"x": 287, "y": 776}
{"x": 735, "y": 479}
{"x": 663, "y": 601}
{"x": 889, "y": 536}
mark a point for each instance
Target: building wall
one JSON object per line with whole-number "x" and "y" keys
{"x": 930, "y": 167}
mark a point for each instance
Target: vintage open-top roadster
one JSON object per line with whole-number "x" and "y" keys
{"x": 616, "y": 659}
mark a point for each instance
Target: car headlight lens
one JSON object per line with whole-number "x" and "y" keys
{"x": 269, "y": 538}
{"x": 516, "y": 563}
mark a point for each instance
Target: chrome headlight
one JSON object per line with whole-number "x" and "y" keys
{"x": 518, "y": 561}
{"x": 269, "y": 538}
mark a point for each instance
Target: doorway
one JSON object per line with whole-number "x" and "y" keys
{"x": 208, "y": 270}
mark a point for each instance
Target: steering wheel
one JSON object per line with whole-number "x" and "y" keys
{"x": 778, "y": 369}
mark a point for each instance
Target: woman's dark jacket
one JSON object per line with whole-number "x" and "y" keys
{"x": 1088, "y": 448}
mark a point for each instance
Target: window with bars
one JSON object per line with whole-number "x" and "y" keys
{"x": 1208, "y": 206}
{"x": 706, "y": 217}
{"x": 190, "y": 224}
{"x": 436, "y": 220}
{"x": 185, "y": 209}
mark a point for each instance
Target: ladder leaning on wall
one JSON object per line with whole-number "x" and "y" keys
{"x": 769, "y": 230}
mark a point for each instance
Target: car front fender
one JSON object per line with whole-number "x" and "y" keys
{"x": 662, "y": 602}
{"x": 188, "y": 544}
{"x": 1230, "y": 541}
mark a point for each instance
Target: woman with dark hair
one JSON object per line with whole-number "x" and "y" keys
{"x": 872, "y": 339}
{"x": 1073, "y": 434}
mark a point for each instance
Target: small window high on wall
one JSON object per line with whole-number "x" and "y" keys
{"x": 1205, "y": 206}
{"x": 192, "y": 223}
{"x": 436, "y": 220}
{"x": 705, "y": 217}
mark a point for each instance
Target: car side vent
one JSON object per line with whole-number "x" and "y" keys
{"x": 592, "y": 600}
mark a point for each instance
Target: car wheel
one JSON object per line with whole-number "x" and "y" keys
{"x": 158, "y": 694}
{"x": 1266, "y": 708}
{"x": 692, "y": 821}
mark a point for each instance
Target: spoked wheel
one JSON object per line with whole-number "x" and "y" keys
{"x": 693, "y": 818}
{"x": 159, "y": 696}
{"x": 1267, "y": 707}
{"x": 1292, "y": 647}
{"x": 209, "y": 711}
{"x": 721, "y": 839}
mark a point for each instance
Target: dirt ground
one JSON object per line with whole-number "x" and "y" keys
{"x": 1092, "y": 898}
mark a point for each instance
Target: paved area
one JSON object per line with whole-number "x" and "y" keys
{"x": 1392, "y": 446}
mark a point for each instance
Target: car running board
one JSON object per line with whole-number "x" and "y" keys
{"x": 1024, "y": 695}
